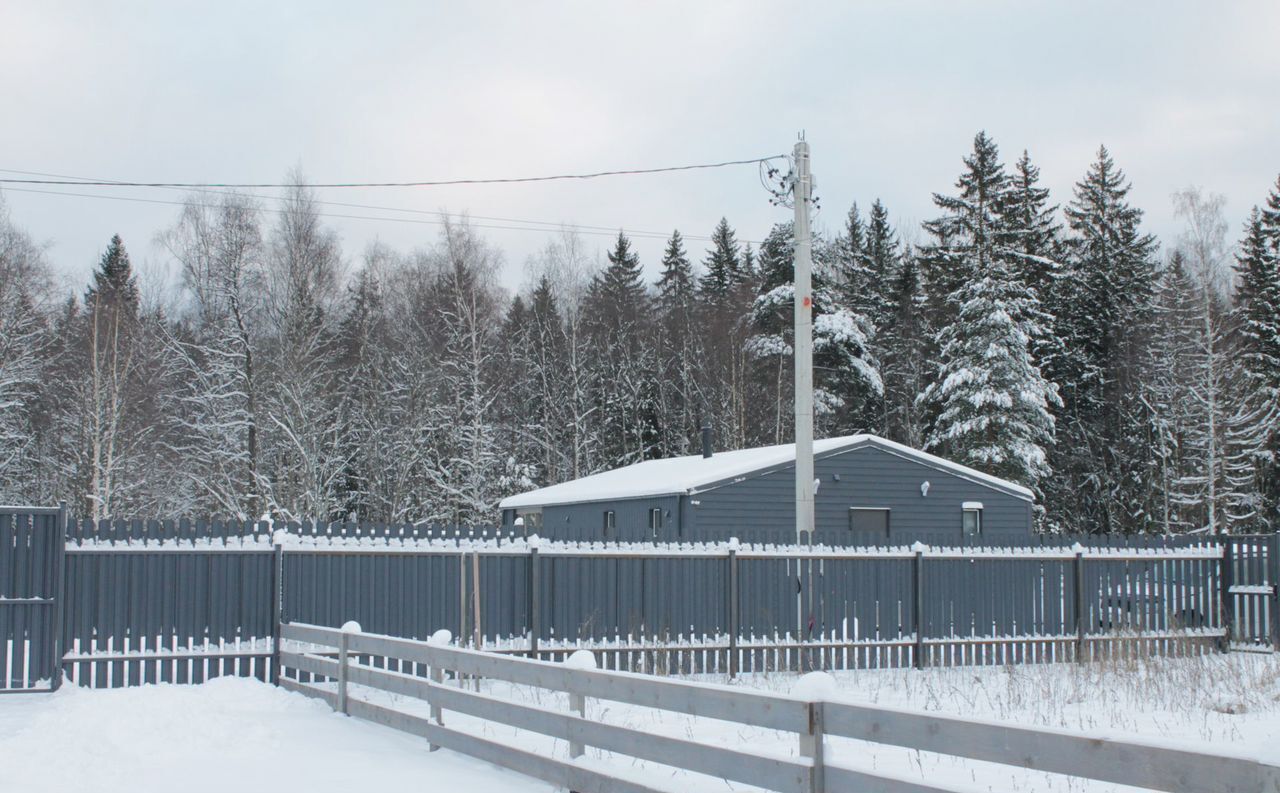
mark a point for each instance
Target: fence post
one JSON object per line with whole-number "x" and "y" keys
{"x": 1077, "y": 568}
{"x": 440, "y": 638}
{"x": 59, "y": 593}
{"x": 1226, "y": 580}
{"x": 348, "y": 628}
{"x": 813, "y": 746}
{"x": 815, "y": 687}
{"x": 1273, "y": 558}
{"x": 277, "y": 600}
{"x": 577, "y": 704}
{"x": 462, "y": 596}
{"x": 733, "y": 607}
{"x": 477, "y": 634}
{"x": 579, "y": 659}
{"x": 917, "y": 602}
{"x": 535, "y": 595}
{"x": 437, "y": 714}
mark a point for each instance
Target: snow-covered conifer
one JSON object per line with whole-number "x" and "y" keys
{"x": 1255, "y": 452}
{"x": 1104, "y": 321}
{"x": 991, "y": 405}
{"x": 846, "y": 377}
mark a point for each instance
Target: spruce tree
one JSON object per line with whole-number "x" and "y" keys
{"x": 971, "y": 234}
{"x": 549, "y": 382}
{"x": 1258, "y": 304}
{"x": 989, "y": 403}
{"x": 723, "y": 265}
{"x": 992, "y": 404}
{"x": 544, "y": 312}
{"x": 678, "y": 352}
{"x": 851, "y": 265}
{"x": 1113, "y": 268}
{"x": 624, "y": 384}
{"x": 115, "y": 287}
{"x": 110, "y": 419}
{"x": 846, "y": 376}
{"x": 373, "y": 396}
{"x": 902, "y": 343}
{"x": 1033, "y": 233}
{"x": 883, "y": 258}
{"x": 748, "y": 268}
{"x": 675, "y": 285}
{"x": 858, "y": 260}
{"x": 619, "y": 291}
{"x": 1270, "y": 218}
{"x": 1104, "y": 322}
{"x": 1255, "y": 449}
{"x": 724, "y": 372}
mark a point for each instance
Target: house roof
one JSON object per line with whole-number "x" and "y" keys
{"x": 687, "y": 475}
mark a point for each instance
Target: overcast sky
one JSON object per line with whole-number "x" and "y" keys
{"x": 890, "y": 95}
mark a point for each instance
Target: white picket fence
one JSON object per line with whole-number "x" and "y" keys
{"x": 326, "y": 663}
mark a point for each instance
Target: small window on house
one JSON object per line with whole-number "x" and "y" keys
{"x": 971, "y": 519}
{"x": 869, "y": 523}
{"x": 610, "y": 522}
{"x": 655, "y": 521}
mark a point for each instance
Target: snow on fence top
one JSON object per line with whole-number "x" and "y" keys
{"x": 519, "y": 546}
{"x": 368, "y": 537}
{"x": 233, "y": 530}
{"x": 681, "y": 475}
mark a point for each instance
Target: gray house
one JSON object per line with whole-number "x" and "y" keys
{"x": 870, "y": 490}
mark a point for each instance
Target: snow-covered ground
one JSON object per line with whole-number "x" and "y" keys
{"x": 246, "y": 736}
{"x": 230, "y": 734}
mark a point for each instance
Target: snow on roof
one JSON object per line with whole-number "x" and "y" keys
{"x": 681, "y": 475}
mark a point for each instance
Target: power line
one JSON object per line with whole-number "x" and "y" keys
{"x": 441, "y": 222}
{"x": 551, "y": 225}
{"x": 440, "y": 183}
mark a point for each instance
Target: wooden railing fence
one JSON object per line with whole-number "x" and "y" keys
{"x": 327, "y": 663}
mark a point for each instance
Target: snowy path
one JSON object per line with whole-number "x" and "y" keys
{"x": 226, "y": 735}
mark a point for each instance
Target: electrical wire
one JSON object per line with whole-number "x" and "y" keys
{"x": 551, "y": 225}
{"x": 440, "y": 183}
{"x": 330, "y": 215}
{"x": 443, "y": 216}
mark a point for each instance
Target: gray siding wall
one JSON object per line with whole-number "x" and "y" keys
{"x": 869, "y": 477}
{"x": 584, "y": 521}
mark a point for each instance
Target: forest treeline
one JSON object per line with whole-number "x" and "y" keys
{"x": 1133, "y": 386}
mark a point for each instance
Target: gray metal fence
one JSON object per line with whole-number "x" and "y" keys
{"x": 181, "y": 601}
{"x": 31, "y": 568}
{"x": 171, "y": 615}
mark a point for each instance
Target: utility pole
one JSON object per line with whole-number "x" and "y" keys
{"x": 802, "y": 194}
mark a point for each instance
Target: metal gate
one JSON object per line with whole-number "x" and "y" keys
{"x": 32, "y": 544}
{"x": 1251, "y": 580}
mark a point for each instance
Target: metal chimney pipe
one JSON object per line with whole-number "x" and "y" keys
{"x": 706, "y": 439}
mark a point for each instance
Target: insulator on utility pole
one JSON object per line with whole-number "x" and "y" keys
{"x": 802, "y": 189}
